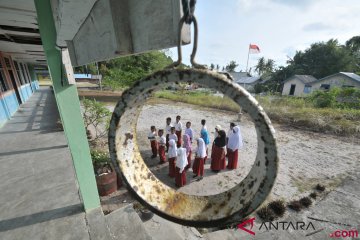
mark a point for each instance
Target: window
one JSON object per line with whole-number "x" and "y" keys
{"x": 325, "y": 86}
{"x": 3, "y": 85}
{"x": 19, "y": 73}
{"x": 307, "y": 89}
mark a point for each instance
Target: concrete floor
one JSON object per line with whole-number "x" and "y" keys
{"x": 39, "y": 194}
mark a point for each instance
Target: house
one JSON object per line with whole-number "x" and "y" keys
{"x": 245, "y": 80}
{"x": 298, "y": 85}
{"x": 341, "y": 79}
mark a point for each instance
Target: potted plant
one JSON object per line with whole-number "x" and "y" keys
{"x": 105, "y": 174}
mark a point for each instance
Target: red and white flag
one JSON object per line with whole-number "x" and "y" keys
{"x": 254, "y": 49}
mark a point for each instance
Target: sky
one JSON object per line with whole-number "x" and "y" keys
{"x": 278, "y": 27}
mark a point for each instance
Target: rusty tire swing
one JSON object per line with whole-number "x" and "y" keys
{"x": 202, "y": 211}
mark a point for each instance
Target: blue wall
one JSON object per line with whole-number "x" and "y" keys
{"x": 9, "y": 104}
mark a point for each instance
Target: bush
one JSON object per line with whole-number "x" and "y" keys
{"x": 295, "y": 205}
{"x": 278, "y": 207}
{"x": 266, "y": 214}
{"x": 305, "y": 201}
{"x": 313, "y": 195}
{"x": 320, "y": 187}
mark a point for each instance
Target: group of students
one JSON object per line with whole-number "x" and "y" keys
{"x": 178, "y": 147}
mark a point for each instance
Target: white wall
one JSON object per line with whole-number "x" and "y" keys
{"x": 336, "y": 81}
{"x": 299, "y": 89}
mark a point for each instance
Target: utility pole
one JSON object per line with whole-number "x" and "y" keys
{"x": 99, "y": 76}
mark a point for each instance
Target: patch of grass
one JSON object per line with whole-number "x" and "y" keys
{"x": 266, "y": 214}
{"x": 299, "y": 112}
{"x": 278, "y": 206}
{"x": 201, "y": 98}
{"x": 305, "y": 201}
{"x": 295, "y": 205}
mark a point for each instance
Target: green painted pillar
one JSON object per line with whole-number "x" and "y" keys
{"x": 69, "y": 108}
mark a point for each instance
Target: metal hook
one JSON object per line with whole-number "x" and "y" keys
{"x": 193, "y": 54}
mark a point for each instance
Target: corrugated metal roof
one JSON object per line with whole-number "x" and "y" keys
{"x": 247, "y": 80}
{"x": 352, "y": 75}
{"x": 303, "y": 78}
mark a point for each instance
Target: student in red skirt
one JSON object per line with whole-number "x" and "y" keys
{"x": 181, "y": 162}
{"x": 153, "y": 142}
{"x": 161, "y": 144}
{"x": 234, "y": 144}
{"x": 178, "y": 130}
{"x": 172, "y": 153}
{"x": 187, "y": 146}
{"x": 200, "y": 154}
{"x": 230, "y": 131}
{"x": 218, "y": 161}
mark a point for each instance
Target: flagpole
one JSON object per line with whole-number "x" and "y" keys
{"x": 247, "y": 62}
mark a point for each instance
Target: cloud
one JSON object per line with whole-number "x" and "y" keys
{"x": 317, "y": 26}
{"x": 297, "y": 3}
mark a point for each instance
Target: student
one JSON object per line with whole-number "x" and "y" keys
{"x": 180, "y": 172}
{"x": 230, "y": 131}
{"x": 173, "y": 135}
{"x": 189, "y": 131}
{"x": 187, "y": 146}
{"x": 178, "y": 130}
{"x": 161, "y": 144}
{"x": 168, "y": 131}
{"x": 172, "y": 153}
{"x": 205, "y": 136}
{"x": 217, "y": 129}
{"x": 218, "y": 160}
{"x": 234, "y": 144}
{"x": 153, "y": 142}
{"x": 198, "y": 166}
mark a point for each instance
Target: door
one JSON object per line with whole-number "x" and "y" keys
{"x": 292, "y": 89}
{"x": 12, "y": 78}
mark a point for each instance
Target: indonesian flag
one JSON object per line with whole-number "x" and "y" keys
{"x": 254, "y": 49}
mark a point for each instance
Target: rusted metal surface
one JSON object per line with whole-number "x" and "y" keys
{"x": 201, "y": 211}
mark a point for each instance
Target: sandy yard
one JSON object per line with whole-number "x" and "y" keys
{"x": 306, "y": 158}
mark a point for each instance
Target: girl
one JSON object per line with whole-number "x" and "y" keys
{"x": 181, "y": 162}
{"x": 198, "y": 167}
{"x": 218, "y": 160}
{"x": 187, "y": 146}
{"x": 161, "y": 143}
{"x": 234, "y": 144}
{"x": 172, "y": 153}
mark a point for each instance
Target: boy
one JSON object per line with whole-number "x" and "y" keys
{"x": 178, "y": 130}
{"x": 161, "y": 143}
{"x": 173, "y": 135}
{"x": 205, "y": 136}
{"x": 153, "y": 142}
{"x": 168, "y": 131}
{"x": 189, "y": 131}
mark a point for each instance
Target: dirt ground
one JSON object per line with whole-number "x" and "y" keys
{"x": 306, "y": 158}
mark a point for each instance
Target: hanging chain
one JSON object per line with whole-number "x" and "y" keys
{"x": 188, "y": 18}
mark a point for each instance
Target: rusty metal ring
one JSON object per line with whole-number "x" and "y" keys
{"x": 200, "y": 211}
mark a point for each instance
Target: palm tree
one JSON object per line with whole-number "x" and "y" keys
{"x": 269, "y": 65}
{"x": 260, "y": 67}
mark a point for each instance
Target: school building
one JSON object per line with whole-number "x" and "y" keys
{"x": 17, "y": 83}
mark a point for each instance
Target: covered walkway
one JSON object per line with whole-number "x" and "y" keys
{"x": 39, "y": 193}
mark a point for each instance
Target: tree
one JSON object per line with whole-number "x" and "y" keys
{"x": 124, "y": 71}
{"x": 231, "y": 66}
{"x": 323, "y": 59}
{"x": 212, "y": 66}
{"x": 260, "y": 67}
